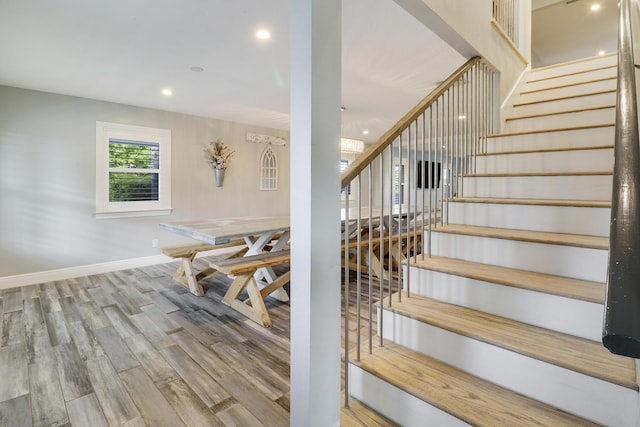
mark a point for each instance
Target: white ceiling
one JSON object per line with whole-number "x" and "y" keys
{"x": 127, "y": 51}
{"x": 564, "y": 30}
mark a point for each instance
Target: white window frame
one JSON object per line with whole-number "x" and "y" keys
{"x": 268, "y": 172}
{"x": 104, "y": 133}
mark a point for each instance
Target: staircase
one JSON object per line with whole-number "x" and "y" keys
{"x": 503, "y": 323}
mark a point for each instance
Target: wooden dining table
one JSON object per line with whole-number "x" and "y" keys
{"x": 257, "y": 232}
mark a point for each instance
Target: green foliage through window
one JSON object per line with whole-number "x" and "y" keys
{"x": 133, "y": 174}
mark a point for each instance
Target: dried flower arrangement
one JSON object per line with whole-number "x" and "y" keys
{"x": 218, "y": 154}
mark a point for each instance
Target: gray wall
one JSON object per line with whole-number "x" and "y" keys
{"x": 47, "y": 181}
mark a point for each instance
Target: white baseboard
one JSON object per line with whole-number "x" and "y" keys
{"x": 87, "y": 270}
{"x": 79, "y": 271}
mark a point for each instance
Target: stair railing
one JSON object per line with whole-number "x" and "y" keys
{"x": 505, "y": 15}
{"x": 621, "y": 331}
{"x": 398, "y": 190}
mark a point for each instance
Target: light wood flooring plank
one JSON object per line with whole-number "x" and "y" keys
{"x": 86, "y": 411}
{"x": 49, "y": 297}
{"x": 154, "y": 408}
{"x": 132, "y": 280}
{"x": 72, "y": 372}
{"x": 116, "y": 349}
{"x": 162, "y": 303}
{"x": 160, "y": 319}
{"x": 12, "y": 301}
{"x": 151, "y": 360}
{"x": 36, "y": 334}
{"x": 189, "y": 406}
{"x": 16, "y": 412}
{"x": 260, "y": 376}
{"x": 120, "y": 321}
{"x": 238, "y": 415}
{"x": 12, "y": 329}
{"x": 151, "y": 331}
{"x": 93, "y": 315}
{"x": 269, "y": 412}
{"x": 13, "y": 372}
{"x": 29, "y": 291}
{"x": 117, "y": 405}
{"x": 70, "y": 308}
{"x": 126, "y": 304}
{"x": 57, "y": 328}
{"x": 64, "y": 288}
{"x": 85, "y": 341}
{"x": 101, "y": 297}
{"x": 202, "y": 384}
{"x": 203, "y": 355}
{"x": 47, "y": 402}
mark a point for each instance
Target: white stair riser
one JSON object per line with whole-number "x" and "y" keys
{"x": 568, "y": 390}
{"x": 593, "y": 160}
{"x": 397, "y": 405}
{"x": 552, "y": 219}
{"x": 590, "y": 87}
{"x": 569, "y": 79}
{"x": 582, "y": 118}
{"x": 573, "y": 67}
{"x": 568, "y": 261}
{"x": 555, "y": 106}
{"x": 566, "y": 315}
{"x": 572, "y": 187}
{"x": 536, "y": 141}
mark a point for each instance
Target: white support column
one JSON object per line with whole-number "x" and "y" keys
{"x": 315, "y": 212}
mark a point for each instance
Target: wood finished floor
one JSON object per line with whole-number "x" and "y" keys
{"x": 133, "y": 348}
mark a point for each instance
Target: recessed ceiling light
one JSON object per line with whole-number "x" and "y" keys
{"x": 365, "y": 132}
{"x": 263, "y": 35}
{"x": 167, "y": 92}
{"x": 601, "y": 53}
{"x": 595, "y": 7}
{"x": 196, "y": 69}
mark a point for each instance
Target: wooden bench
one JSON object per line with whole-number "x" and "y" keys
{"x": 398, "y": 255}
{"x": 244, "y": 268}
{"x": 187, "y": 253}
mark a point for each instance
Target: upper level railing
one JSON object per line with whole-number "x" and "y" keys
{"x": 398, "y": 190}
{"x": 621, "y": 332}
{"x": 505, "y": 14}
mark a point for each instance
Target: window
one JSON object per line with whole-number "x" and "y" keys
{"x": 268, "y": 170}
{"x": 344, "y": 164}
{"x": 133, "y": 170}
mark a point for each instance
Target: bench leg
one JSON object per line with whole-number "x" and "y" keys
{"x": 190, "y": 277}
{"x": 257, "y": 311}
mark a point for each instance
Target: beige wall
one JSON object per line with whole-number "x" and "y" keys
{"x": 47, "y": 181}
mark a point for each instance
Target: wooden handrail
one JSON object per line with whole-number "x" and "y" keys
{"x": 389, "y": 136}
{"x": 621, "y": 331}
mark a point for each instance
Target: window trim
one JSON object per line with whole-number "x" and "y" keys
{"x": 106, "y": 209}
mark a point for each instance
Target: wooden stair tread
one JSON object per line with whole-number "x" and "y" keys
{"x": 549, "y": 150}
{"x": 540, "y": 282}
{"x": 535, "y": 202}
{"x": 471, "y": 399}
{"x": 575, "y": 73}
{"x": 567, "y": 351}
{"x": 558, "y": 113}
{"x": 561, "y": 98}
{"x": 580, "y": 83}
{"x": 578, "y": 240}
{"x": 565, "y": 129}
{"x": 360, "y": 415}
